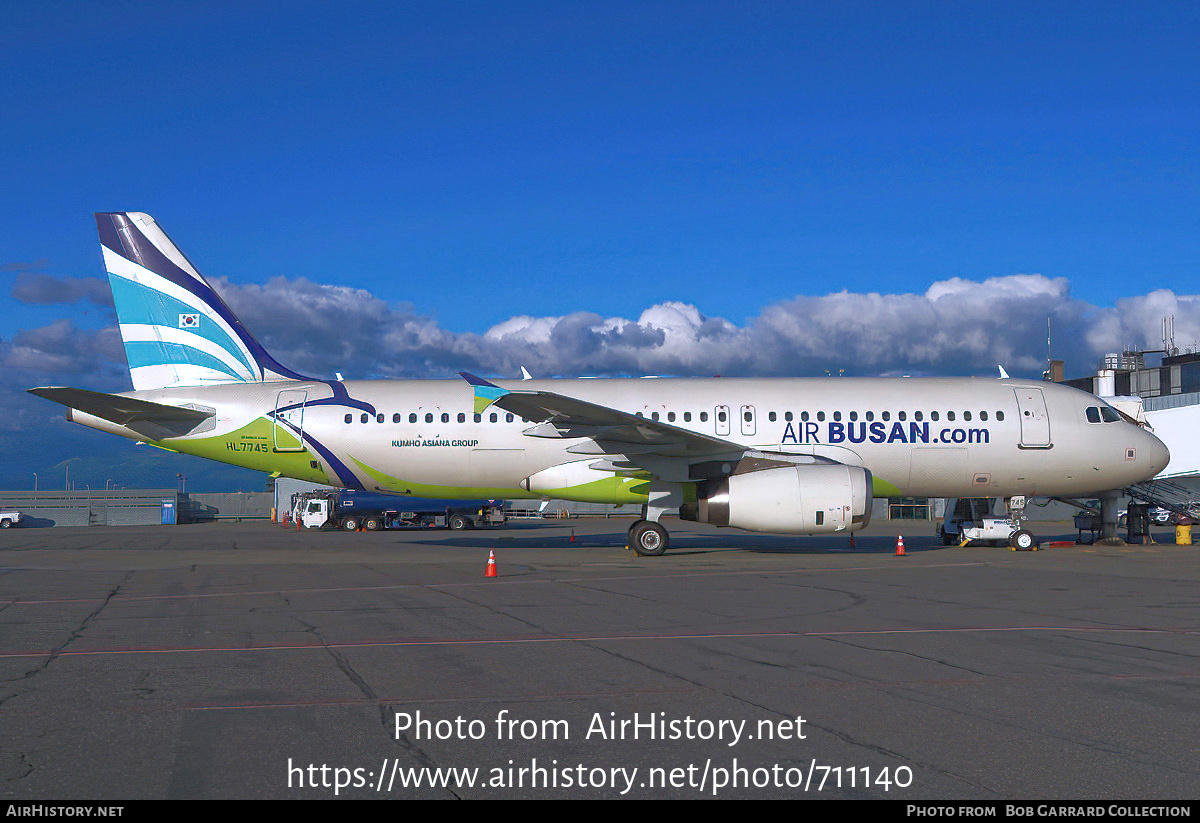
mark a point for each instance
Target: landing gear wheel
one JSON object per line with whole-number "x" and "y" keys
{"x": 648, "y": 539}
{"x": 1023, "y": 541}
{"x": 457, "y": 522}
{"x": 350, "y": 524}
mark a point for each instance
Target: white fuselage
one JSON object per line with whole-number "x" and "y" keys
{"x": 918, "y": 436}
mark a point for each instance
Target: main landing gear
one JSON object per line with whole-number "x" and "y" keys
{"x": 646, "y": 536}
{"x": 648, "y": 539}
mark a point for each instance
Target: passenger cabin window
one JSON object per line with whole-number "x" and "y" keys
{"x": 703, "y": 417}
{"x": 412, "y": 418}
{"x": 349, "y": 418}
{"x": 396, "y": 417}
{"x": 365, "y": 417}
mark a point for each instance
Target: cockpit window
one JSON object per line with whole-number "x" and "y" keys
{"x": 1102, "y": 414}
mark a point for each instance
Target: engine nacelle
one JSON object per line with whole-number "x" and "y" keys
{"x": 802, "y": 499}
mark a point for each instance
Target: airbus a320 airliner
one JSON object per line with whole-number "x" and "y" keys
{"x": 791, "y": 456}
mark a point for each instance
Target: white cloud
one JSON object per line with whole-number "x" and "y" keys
{"x": 956, "y": 326}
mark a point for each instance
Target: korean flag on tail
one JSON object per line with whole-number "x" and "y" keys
{"x": 189, "y": 321}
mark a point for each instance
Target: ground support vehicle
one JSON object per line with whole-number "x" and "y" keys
{"x": 353, "y": 511}
{"x": 971, "y": 520}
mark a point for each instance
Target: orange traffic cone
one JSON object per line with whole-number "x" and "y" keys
{"x": 900, "y": 546}
{"x": 491, "y": 566}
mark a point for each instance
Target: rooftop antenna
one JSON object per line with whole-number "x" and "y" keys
{"x": 1168, "y": 336}
{"x": 1049, "y": 363}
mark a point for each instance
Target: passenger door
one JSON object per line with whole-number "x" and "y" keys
{"x": 1035, "y": 419}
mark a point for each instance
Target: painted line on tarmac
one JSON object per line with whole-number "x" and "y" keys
{"x": 501, "y": 581}
{"x": 409, "y": 701}
{"x": 600, "y": 638}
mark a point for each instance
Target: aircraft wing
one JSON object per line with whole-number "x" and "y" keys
{"x": 613, "y": 431}
{"x": 135, "y": 414}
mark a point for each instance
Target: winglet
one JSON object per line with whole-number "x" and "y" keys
{"x": 485, "y": 393}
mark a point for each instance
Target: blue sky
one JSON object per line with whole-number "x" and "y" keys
{"x": 469, "y": 164}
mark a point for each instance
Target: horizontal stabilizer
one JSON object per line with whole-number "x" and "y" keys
{"x": 153, "y": 419}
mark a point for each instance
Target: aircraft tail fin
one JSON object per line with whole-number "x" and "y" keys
{"x": 177, "y": 331}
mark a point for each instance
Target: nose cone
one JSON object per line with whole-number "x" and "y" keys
{"x": 1152, "y": 455}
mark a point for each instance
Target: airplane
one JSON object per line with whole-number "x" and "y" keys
{"x": 789, "y": 456}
